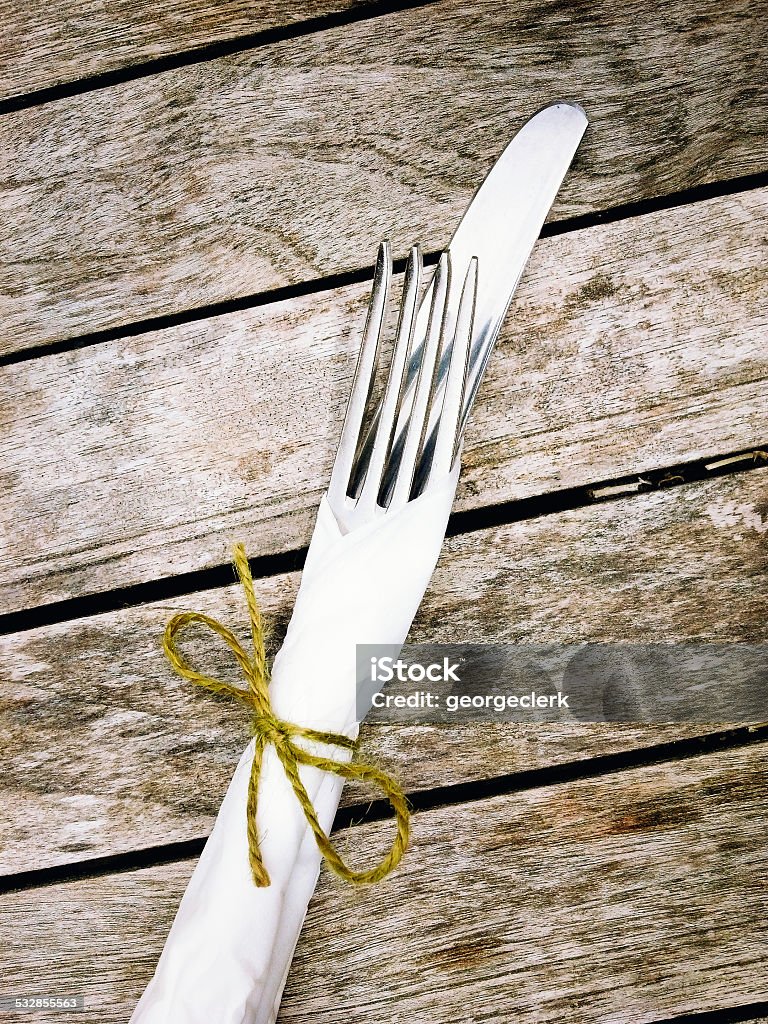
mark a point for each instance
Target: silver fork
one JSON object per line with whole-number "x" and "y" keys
{"x": 356, "y": 491}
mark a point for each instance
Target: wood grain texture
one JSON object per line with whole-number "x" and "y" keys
{"x": 630, "y": 347}
{"x": 47, "y": 44}
{"x": 626, "y": 902}
{"x": 106, "y": 751}
{"x": 290, "y": 162}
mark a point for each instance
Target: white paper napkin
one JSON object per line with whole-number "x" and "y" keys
{"x": 228, "y": 952}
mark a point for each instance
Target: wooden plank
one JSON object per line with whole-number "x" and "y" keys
{"x": 633, "y": 898}
{"x": 105, "y": 751}
{"x": 631, "y": 346}
{"x": 47, "y": 44}
{"x": 290, "y": 162}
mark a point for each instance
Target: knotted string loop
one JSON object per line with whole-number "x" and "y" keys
{"x": 268, "y": 729}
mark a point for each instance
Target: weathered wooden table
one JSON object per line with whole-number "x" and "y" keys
{"x": 192, "y": 196}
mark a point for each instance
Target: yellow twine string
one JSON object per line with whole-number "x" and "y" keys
{"x": 267, "y": 728}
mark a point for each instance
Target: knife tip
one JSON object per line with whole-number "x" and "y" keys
{"x": 576, "y": 107}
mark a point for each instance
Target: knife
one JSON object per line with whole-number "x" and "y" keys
{"x": 500, "y": 228}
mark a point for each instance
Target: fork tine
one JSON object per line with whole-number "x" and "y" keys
{"x": 448, "y": 426}
{"x": 418, "y": 413}
{"x": 369, "y": 492}
{"x": 364, "y": 376}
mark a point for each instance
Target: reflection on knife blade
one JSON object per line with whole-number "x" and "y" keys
{"x": 500, "y": 228}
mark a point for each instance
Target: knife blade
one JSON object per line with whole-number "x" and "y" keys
{"x": 500, "y": 227}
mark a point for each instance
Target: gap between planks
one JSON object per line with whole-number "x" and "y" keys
{"x": 351, "y": 815}
{"x": 745, "y": 1013}
{"x": 631, "y": 347}
{"x": 316, "y": 286}
{"x": 538, "y": 903}
{"x": 263, "y": 169}
{"x": 160, "y": 752}
{"x": 469, "y": 521}
{"x": 121, "y": 43}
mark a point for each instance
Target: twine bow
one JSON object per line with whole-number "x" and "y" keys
{"x": 267, "y": 728}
